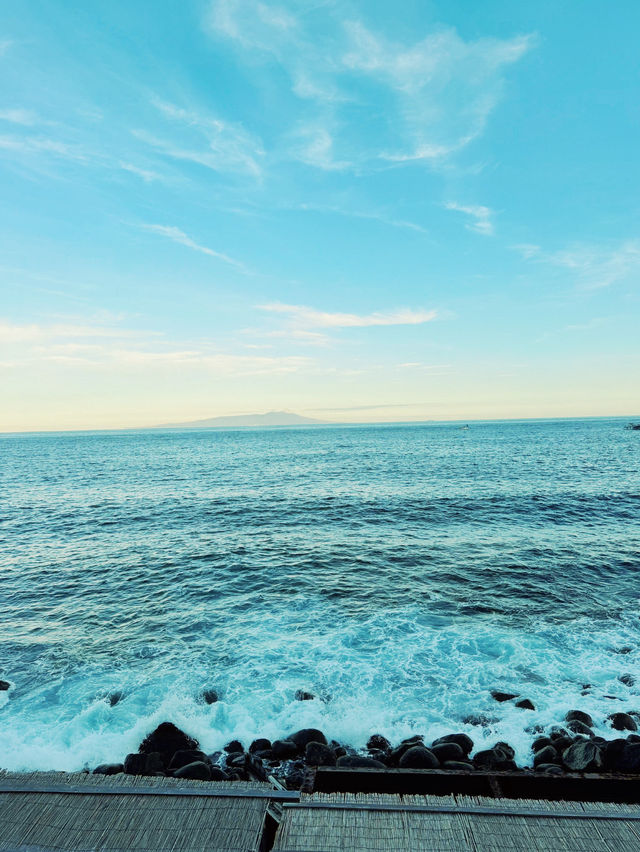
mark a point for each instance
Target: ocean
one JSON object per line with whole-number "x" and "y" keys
{"x": 398, "y": 573}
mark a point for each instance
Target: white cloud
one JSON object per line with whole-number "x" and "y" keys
{"x": 482, "y": 223}
{"x": 41, "y": 145}
{"x": 420, "y": 101}
{"x": 377, "y": 216}
{"x": 311, "y": 318}
{"x": 180, "y": 237}
{"x": 594, "y": 266}
{"x": 206, "y": 140}
{"x": 146, "y": 174}
{"x": 34, "y": 332}
{"x": 19, "y": 116}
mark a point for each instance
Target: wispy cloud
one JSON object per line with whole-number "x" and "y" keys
{"x": 146, "y": 174}
{"x": 594, "y": 266}
{"x": 378, "y": 216}
{"x": 178, "y": 236}
{"x": 18, "y": 115}
{"x": 420, "y": 101}
{"x": 209, "y": 141}
{"x": 41, "y": 145}
{"x": 482, "y": 221}
{"x": 304, "y": 316}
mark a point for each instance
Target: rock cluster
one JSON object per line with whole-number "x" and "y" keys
{"x": 168, "y": 751}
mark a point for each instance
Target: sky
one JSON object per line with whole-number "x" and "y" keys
{"x": 357, "y": 211}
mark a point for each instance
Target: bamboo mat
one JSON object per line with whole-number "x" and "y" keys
{"x": 61, "y": 812}
{"x": 387, "y": 823}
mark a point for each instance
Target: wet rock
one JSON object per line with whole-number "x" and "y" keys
{"x": 394, "y": 756}
{"x": 562, "y": 743}
{"x": 218, "y": 774}
{"x": 253, "y": 765}
{"x": 447, "y": 752}
{"x": 550, "y": 768}
{"x": 295, "y": 776}
{"x": 319, "y": 754}
{"x": 214, "y": 757}
{"x": 579, "y": 728}
{"x": 525, "y": 704}
{"x": 480, "y": 720}
{"x": 356, "y": 761}
{"x": 236, "y": 759}
{"x": 503, "y": 696}
{"x": 506, "y": 749}
{"x": 493, "y": 759}
{"x": 633, "y": 738}
{"x": 155, "y": 762}
{"x": 167, "y": 739}
{"x": 582, "y": 756}
{"x": 611, "y": 754}
{"x": 612, "y": 697}
{"x": 115, "y": 697}
{"x": 307, "y": 735}
{"x": 109, "y": 768}
{"x": 378, "y": 754}
{"x": 465, "y": 742}
{"x": 457, "y": 765}
{"x": 579, "y": 716}
{"x": 548, "y": 754}
{"x": 626, "y": 649}
{"x": 377, "y": 741}
{"x": 233, "y": 747}
{"x": 301, "y": 695}
{"x": 209, "y": 696}
{"x": 261, "y": 744}
{"x": 557, "y": 732}
{"x": 186, "y": 756}
{"x": 284, "y": 750}
{"x": 541, "y": 742}
{"x": 414, "y": 740}
{"x": 135, "y": 764}
{"x": 419, "y": 757}
{"x": 341, "y": 751}
{"x": 628, "y": 679}
{"x": 629, "y": 760}
{"x": 4, "y": 685}
{"x": 623, "y": 722}
{"x": 196, "y": 771}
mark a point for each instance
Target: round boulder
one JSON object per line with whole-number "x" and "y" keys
{"x": 356, "y": 761}
{"x": 623, "y": 722}
{"x": 548, "y": 754}
{"x": 419, "y": 757}
{"x": 465, "y": 742}
{"x": 167, "y": 739}
{"x": 579, "y": 716}
{"x": 307, "y": 735}
{"x": 284, "y": 750}
{"x": 109, "y": 769}
{"x": 196, "y": 771}
{"x": 378, "y": 742}
{"x": 447, "y": 752}
{"x": 319, "y": 754}
{"x": 582, "y": 756}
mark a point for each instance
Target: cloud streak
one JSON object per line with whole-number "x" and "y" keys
{"x": 178, "y": 236}
{"x": 481, "y": 216}
{"x": 301, "y": 315}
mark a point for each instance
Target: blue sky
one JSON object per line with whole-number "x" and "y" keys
{"x": 352, "y": 210}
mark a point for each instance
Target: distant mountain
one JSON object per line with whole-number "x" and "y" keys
{"x": 271, "y": 418}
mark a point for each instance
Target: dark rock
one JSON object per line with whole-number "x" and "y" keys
{"x": 378, "y": 754}
{"x": 414, "y": 740}
{"x": 623, "y": 722}
{"x": 579, "y": 716}
{"x": 233, "y": 747}
{"x": 214, "y": 757}
{"x": 582, "y": 756}
{"x": 356, "y": 761}
{"x": 419, "y": 757}
{"x": 629, "y": 760}
{"x": 167, "y": 739}
{"x": 307, "y": 735}
{"x": 254, "y": 767}
{"x": 260, "y": 744}
{"x": 541, "y": 742}
{"x": 457, "y": 765}
{"x": 557, "y": 732}
{"x": 186, "y": 756}
{"x": 218, "y": 774}
{"x": 562, "y": 743}
{"x": 465, "y": 742}
{"x": 493, "y": 758}
{"x": 548, "y": 754}
{"x": 284, "y": 750}
{"x": 613, "y": 697}
{"x": 579, "y": 728}
{"x": 549, "y": 768}
{"x": 611, "y": 754}
{"x": 236, "y": 759}
{"x": 109, "y": 768}
{"x": 340, "y": 751}
{"x": 196, "y": 771}
{"x": 447, "y": 752}
{"x": 628, "y": 679}
{"x": 525, "y": 704}
{"x": 394, "y": 756}
{"x": 633, "y": 738}
{"x": 155, "y": 762}
{"x": 4, "y": 685}
{"x": 319, "y": 754}
{"x": 295, "y": 776}
{"x": 135, "y": 764}
{"x": 626, "y": 649}
{"x": 506, "y": 749}
{"x": 377, "y": 741}
{"x": 115, "y": 697}
{"x": 480, "y": 720}
{"x": 503, "y": 696}
{"x": 301, "y": 695}
{"x": 209, "y": 696}
{"x": 586, "y": 686}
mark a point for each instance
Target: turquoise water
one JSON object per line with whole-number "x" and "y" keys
{"x": 397, "y": 572}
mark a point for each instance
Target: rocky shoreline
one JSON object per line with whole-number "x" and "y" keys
{"x": 568, "y": 748}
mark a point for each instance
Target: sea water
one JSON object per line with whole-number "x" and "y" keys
{"x": 398, "y": 573}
